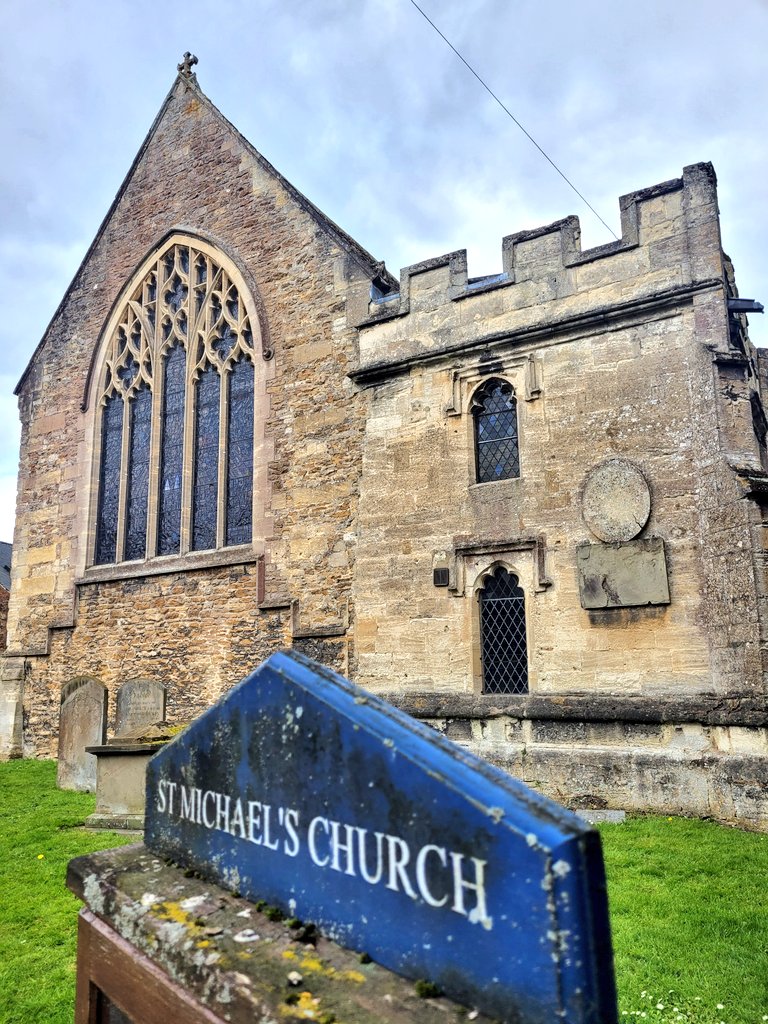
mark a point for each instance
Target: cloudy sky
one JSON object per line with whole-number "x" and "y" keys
{"x": 366, "y": 110}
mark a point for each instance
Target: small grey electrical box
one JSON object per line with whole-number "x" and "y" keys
{"x": 440, "y": 577}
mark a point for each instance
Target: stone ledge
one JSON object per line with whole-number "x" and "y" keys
{"x": 705, "y": 709}
{"x": 194, "y": 561}
{"x": 131, "y": 823}
{"x": 605, "y": 318}
{"x": 244, "y": 978}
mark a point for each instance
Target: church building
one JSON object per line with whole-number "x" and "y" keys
{"x": 529, "y": 509}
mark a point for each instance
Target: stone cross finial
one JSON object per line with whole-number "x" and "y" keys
{"x": 185, "y": 68}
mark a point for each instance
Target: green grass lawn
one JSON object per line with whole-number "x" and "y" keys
{"x": 688, "y": 909}
{"x": 689, "y": 920}
{"x": 39, "y": 833}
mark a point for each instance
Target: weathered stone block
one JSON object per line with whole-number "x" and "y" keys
{"x": 624, "y": 575}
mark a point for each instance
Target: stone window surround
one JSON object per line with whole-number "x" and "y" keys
{"x": 523, "y": 374}
{"x": 186, "y": 559}
{"x": 477, "y": 409}
{"x": 471, "y": 561}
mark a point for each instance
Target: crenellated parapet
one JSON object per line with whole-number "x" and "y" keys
{"x": 669, "y": 252}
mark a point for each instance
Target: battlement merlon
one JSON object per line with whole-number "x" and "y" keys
{"x": 669, "y": 252}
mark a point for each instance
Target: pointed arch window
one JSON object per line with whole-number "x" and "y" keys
{"x": 497, "y": 450}
{"x": 175, "y": 436}
{"x": 503, "y": 644}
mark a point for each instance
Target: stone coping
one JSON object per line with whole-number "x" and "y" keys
{"x": 133, "y": 824}
{"x": 125, "y": 748}
{"x": 235, "y": 959}
{"x": 702, "y": 708}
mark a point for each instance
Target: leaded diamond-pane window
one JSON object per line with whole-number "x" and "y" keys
{"x": 176, "y": 431}
{"x": 240, "y": 453}
{"x": 496, "y": 444}
{"x": 205, "y": 498}
{"x": 109, "y": 479}
{"x": 503, "y": 646}
{"x": 138, "y": 474}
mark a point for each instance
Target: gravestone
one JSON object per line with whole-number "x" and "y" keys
{"x": 140, "y": 702}
{"x": 82, "y": 723}
{"x": 301, "y": 790}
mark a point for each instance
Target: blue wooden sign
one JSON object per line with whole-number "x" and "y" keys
{"x": 303, "y": 790}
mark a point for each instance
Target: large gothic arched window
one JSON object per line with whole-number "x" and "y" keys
{"x": 175, "y": 436}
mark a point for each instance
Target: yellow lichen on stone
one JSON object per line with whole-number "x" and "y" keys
{"x": 306, "y": 1007}
{"x": 170, "y": 911}
{"x": 355, "y": 976}
{"x": 313, "y": 963}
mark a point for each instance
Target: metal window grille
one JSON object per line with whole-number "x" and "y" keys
{"x": 496, "y": 442}
{"x": 503, "y": 647}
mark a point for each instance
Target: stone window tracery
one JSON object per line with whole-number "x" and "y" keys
{"x": 175, "y": 442}
{"x": 497, "y": 452}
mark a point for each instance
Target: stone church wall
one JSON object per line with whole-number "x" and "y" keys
{"x": 68, "y": 618}
{"x": 623, "y": 352}
{"x": 372, "y": 536}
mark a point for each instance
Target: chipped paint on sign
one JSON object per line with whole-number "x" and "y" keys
{"x": 298, "y": 789}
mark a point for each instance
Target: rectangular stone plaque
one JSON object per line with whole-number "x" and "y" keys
{"x": 140, "y": 702}
{"x": 301, "y": 789}
{"x": 626, "y": 575}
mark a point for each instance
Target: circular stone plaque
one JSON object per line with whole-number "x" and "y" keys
{"x": 616, "y": 502}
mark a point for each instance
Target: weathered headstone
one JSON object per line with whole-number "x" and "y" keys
{"x": 82, "y": 723}
{"x": 140, "y": 702}
{"x": 302, "y": 790}
{"x": 11, "y": 707}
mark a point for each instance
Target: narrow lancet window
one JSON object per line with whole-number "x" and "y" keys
{"x": 503, "y": 646}
{"x": 496, "y": 442}
{"x": 240, "y": 453}
{"x": 109, "y": 480}
{"x": 138, "y": 474}
{"x": 172, "y": 453}
{"x": 206, "y": 493}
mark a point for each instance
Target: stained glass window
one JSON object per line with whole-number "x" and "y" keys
{"x": 172, "y": 452}
{"x": 138, "y": 474}
{"x": 240, "y": 453}
{"x": 205, "y": 498}
{"x": 109, "y": 479}
{"x": 496, "y": 443}
{"x": 184, "y": 329}
{"x": 503, "y": 646}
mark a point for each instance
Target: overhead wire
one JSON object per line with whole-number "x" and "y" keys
{"x": 509, "y": 114}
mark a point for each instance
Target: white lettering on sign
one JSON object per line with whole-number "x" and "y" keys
{"x": 441, "y": 878}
